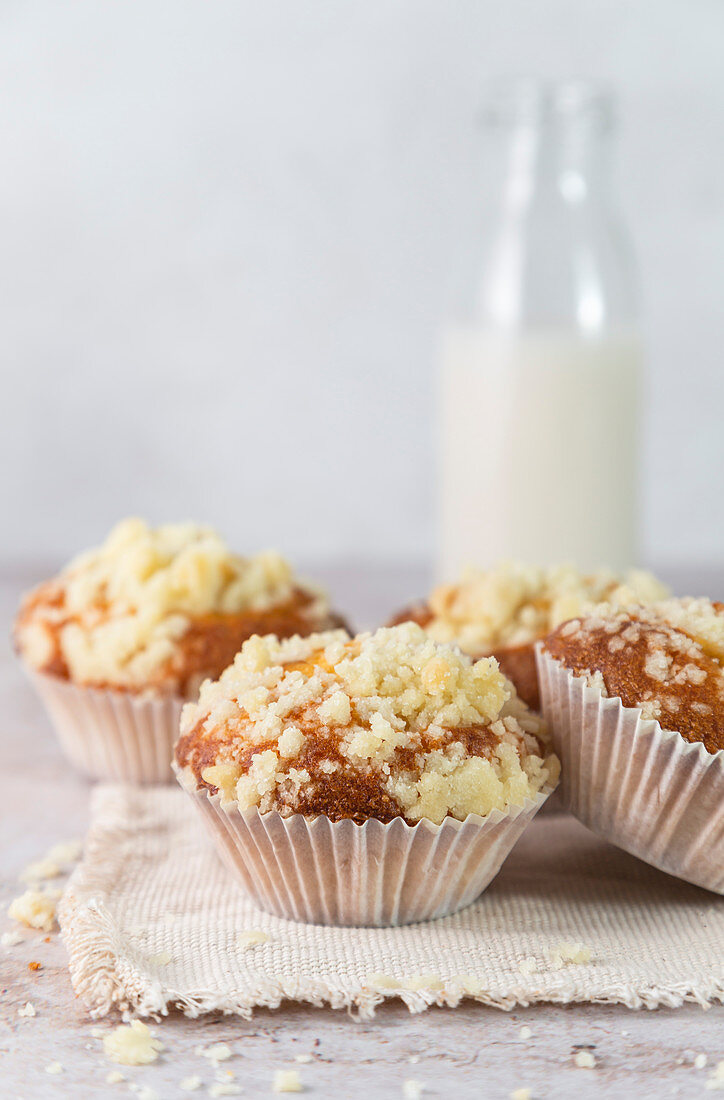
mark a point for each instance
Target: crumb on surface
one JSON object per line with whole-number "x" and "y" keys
{"x": 162, "y": 959}
{"x": 564, "y": 953}
{"x": 132, "y": 1044}
{"x": 34, "y": 909}
{"x": 27, "y": 1010}
{"x": 40, "y": 869}
{"x": 412, "y": 1089}
{"x": 216, "y": 1052}
{"x": 190, "y": 1084}
{"x": 287, "y": 1080}
{"x": 253, "y": 937}
{"x": 521, "y": 1094}
{"x": 54, "y": 1068}
{"x": 584, "y": 1059}
{"x": 114, "y": 1077}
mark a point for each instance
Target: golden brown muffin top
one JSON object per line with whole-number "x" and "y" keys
{"x": 515, "y": 604}
{"x": 384, "y": 725}
{"x": 154, "y": 608}
{"x": 667, "y": 660}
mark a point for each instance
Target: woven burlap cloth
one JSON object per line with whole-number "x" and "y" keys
{"x": 152, "y": 921}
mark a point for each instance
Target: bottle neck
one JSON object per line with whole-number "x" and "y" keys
{"x": 568, "y": 163}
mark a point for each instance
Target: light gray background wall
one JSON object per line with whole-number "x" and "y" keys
{"x": 226, "y": 231}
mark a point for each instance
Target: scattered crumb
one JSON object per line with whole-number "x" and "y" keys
{"x": 700, "y": 1061}
{"x": 304, "y": 1059}
{"x": 143, "y": 1092}
{"x": 220, "y": 1089}
{"x": 414, "y": 1059}
{"x": 287, "y": 1080}
{"x": 383, "y": 981}
{"x": 624, "y": 1033}
{"x": 27, "y": 1010}
{"x": 162, "y": 959}
{"x": 521, "y": 1094}
{"x": 584, "y": 1059}
{"x": 190, "y": 1084}
{"x": 11, "y": 939}
{"x": 114, "y": 1077}
{"x": 53, "y": 1068}
{"x": 252, "y": 938}
{"x": 40, "y": 869}
{"x": 97, "y": 1032}
{"x": 564, "y": 953}
{"x": 217, "y": 1052}
{"x": 132, "y": 1045}
{"x": 412, "y": 1089}
{"x": 35, "y": 909}
{"x": 424, "y": 981}
{"x": 525, "y": 1032}
{"x": 528, "y": 965}
{"x": 715, "y": 1081}
{"x": 35, "y": 966}
{"x": 67, "y": 851}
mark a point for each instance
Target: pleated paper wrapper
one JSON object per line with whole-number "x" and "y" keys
{"x": 644, "y": 788}
{"x": 112, "y": 735}
{"x": 340, "y": 873}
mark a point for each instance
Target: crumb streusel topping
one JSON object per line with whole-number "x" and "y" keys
{"x": 514, "y": 604}
{"x": 382, "y": 725}
{"x": 117, "y": 615}
{"x": 667, "y": 659}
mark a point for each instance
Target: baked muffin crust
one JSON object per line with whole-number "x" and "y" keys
{"x": 666, "y": 659}
{"x": 383, "y": 725}
{"x": 160, "y": 610}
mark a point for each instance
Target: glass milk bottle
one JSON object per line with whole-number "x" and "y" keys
{"x": 541, "y": 366}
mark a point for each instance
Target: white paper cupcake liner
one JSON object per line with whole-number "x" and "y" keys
{"x": 113, "y": 735}
{"x": 337, "y": 872}
{"x": 645, "y": 789}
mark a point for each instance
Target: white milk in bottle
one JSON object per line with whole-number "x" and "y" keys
{"x": 541, "y": 366}
{"x": 539, "y": 442}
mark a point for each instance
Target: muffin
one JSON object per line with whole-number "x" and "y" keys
{"x": 127, "y": 632}
{"x": 503, "y": 611}
{"x": 635, "y": 701}
{"x": 379, "y": 779}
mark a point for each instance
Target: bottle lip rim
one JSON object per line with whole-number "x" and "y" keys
{"x": 533, "y": 100}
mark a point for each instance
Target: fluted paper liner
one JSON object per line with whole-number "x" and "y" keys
{"x": 112, "y": 735}
{"x": 644, "y": 788}
{"x": 337, "y": 872}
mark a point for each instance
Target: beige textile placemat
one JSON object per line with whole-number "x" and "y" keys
{"x": 152, "y": 921}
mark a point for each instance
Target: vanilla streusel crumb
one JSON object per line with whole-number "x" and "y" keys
{"x": 416, "y": 726}
{"x": 254, "y": 937}
{"x": 564, "y": 952}
{"x": 584, "y": 1059}
{"x": 117, "y": 612}
{"x": 132, "y": 1044}
{"x": 287, "y": 1080}
{"x": 34, "y": 908}
{"x": 514, "y": 604}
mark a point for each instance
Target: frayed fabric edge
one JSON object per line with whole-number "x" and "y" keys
{"x": 94, "y": 953}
